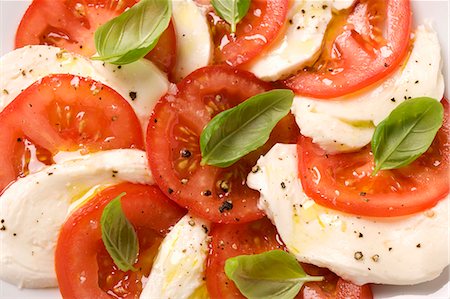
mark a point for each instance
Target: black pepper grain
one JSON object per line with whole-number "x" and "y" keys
{"x": 133, "y": 95}
{"x": 358, "y": 255}
{"x": 226, "y": 206}
{"x": 185, "y": 153}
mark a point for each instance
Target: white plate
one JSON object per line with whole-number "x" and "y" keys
{"x": 11, "y": 12}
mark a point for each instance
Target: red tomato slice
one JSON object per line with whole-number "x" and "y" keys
{"x": 257, "y": 237}
{"x": 332, "y": 287}
{"x": 343, "y": 181}
{"x": 360, "y": 49}
{"x": 84, "y": 267}
{"x": 174, "y": 152}
{"x": 71, "y": 24}
{"x": 164, "y": 54}
{"x": 233, "y": 240}
{"x": 63, "y": 113}
{"x": 257, "y": 29}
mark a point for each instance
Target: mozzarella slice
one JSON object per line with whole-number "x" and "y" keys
{"x": 194, "y": 45}
{"x": 34, "y": 208}
{"x": 398, "y": 250}
{"x": 298, "y": 45}
{"x": 141, "y": 83}
{"x": 178, "y": 270}
{"x": 347, "y": 123}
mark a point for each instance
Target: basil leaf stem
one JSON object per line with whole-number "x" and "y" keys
{"x": 119, "y": 236}
{"x": 272, "y": 274}
{"x": 232, "y": 11}
{"x": 134, "y": 33}
{"x": 235, "y": 132}
{"x": 406, "y": 133}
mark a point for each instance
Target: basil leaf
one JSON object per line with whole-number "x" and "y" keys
{"x": 119, "y": 236}
{"x": 406, "y": 133}
{"x": 236, "y": 132}
{"x": 232, "y": 11}
{"x": 272, "y": 274}
{"x": 134, "y": 33}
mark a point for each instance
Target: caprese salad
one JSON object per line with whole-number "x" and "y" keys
{"x": 223, "y": 149}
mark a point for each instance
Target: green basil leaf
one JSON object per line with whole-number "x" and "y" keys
{"x": 272, "y": 274}
{"x": 119, "y": 236}
{"x": 232, "y": 11}
{"x": 134, "y": 33}
{"x": 406, "y": 133}
{"x": 240, "y": 130}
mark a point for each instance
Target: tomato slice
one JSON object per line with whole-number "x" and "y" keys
{"x": 164, "y": 54}
{"x": 71, "y": 24}
{"x": 216, "y": 194}
{"x": 332, "y": 287}
{"x": 257, "y": 237}
{"x": 361, "y": 47}
{"x": 257, "y": 29}
{"x": 63, "y": 113}
{"x": 233, "y": 240}
{"x": 343, "y": 181}
{"x": 83, "y": 266}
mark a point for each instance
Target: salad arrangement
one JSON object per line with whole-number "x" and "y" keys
{"x": 222, "y": 149}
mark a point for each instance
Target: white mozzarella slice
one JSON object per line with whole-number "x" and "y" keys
{"x": 400, "y": 250}
{"x": 348, "y": 123}
{"x": 141, "y": 83}
{"x": 298, "y": 45}
{"x": 178, "y": 270}
{"x": 194, "y": 45}
{"x": 34, "y": 208}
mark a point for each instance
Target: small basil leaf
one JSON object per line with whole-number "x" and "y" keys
{"x": 272, "y": 274}
{"x": 232, "y": 11}
{"x": 240, "y": 130}
{"x": 134, "y": 33}
{"x": 119, "y": 236}
{"x": 406, "y": 133}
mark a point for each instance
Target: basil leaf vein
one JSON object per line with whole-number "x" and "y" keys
{"x": 272, "y": 274}
{"x": 406, "y": 133}
{"x": 119, "y": 236}
{"x": 134, "y": 33}
{"x": 240, "y": 130}
{"x": 232, "y": 11}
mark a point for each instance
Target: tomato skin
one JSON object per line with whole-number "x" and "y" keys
{"x": 262, "y": 23}
{"x": 232, "y": 240}
{"x": 346, "y": 184}
{"x": 71, "y": 24}
{"x": 79, "y": 243}
{"x": 64, "y": 113}
{"x": 175, "y": 127}
{"x": 354, "y": 59}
